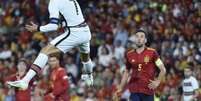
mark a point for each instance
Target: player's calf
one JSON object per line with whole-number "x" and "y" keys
{"x": 87, "y": 76}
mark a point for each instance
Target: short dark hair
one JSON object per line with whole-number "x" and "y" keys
{"x": 57, "y": 55}
{"x": 143, "y": 31}
{"x": 190, "y": 68}
{"x": 23, "y": 60}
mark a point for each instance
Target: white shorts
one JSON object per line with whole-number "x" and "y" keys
{"x": 77, "y": 37}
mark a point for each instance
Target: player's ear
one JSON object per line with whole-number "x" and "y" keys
{"x": 145, "y": 40}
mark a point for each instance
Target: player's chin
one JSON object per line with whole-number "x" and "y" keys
{"x": 139, "y": 45}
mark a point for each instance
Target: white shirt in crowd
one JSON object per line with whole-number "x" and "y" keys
{"x": 189, "y": 86}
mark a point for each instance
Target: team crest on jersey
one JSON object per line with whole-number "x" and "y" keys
{"x": 146, "y": 59}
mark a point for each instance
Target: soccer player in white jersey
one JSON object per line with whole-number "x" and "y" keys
{"x": 190, "y": 86}
{"x": 77, "y": 34}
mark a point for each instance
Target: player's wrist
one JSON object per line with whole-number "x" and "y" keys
{"x": 158, "y": 79}
{"x": 120, "y": 87}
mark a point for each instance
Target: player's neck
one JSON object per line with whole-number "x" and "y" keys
{"x": 140, "y": 49}
{"x": 188, "y": 77}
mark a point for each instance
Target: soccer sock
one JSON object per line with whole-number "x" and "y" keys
{"x": 36, "y": 67}
{"x": 88, "y": 66}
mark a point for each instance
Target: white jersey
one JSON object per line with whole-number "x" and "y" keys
{"x": 70, "y": 10}
{"x": 189, "y": 86}
{"x": 78, "y": 33}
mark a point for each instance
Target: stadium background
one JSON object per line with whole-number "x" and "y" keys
{"x": 174, "y": 28}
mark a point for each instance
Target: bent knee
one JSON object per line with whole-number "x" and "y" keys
{"x": 84, "y": 57}
{"x": 49, "y": 49}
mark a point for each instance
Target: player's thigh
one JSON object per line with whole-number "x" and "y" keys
{"x": 73, "y": 38}
{"x": 134, "y": 97}
{"x": 50, "y": 49}
{"x": 84, "y": 47}
{"x": 64, "y": 42}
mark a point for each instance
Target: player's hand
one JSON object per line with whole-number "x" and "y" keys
{"x": 32, "y": 27}
{"x": 153, "y": 84}
{"x": 52, "y": 95}
{"x": 118, "y": 92}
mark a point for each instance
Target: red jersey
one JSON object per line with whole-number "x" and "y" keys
{"x": 143, "y": 69}
{"x": 58, "y": 85}
{"x": 20, "y": 95}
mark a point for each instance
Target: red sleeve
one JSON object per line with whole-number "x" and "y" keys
{"x": 64, "y": 81}
{"x": 155, "y": 55}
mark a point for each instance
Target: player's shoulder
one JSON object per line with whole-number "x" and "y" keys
{"x": 151, "y": 49}
{"x": 129, "y": 51}
{"x": 60, "y": 69}
{"x": 193, "y": 78}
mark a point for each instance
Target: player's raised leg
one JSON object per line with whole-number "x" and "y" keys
{"x": 87, "y": 64}
{"x": 36, "y": 67}
{"x": 88, "y": 69}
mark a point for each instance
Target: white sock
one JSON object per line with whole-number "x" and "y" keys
{"x": 88, "y": 66}
{"x": 40, "y": 61}
{"x": 30, "y": 74}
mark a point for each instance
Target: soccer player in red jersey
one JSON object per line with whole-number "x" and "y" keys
{"x": 20, "y": 95}
{"x": 141, "y": 66}
{"x": 58, "y": 90}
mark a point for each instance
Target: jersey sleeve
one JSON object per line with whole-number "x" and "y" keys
{"x": 155, "y": 55}
{"x": 53, "y": 8}
{"x": 195, "y": 84}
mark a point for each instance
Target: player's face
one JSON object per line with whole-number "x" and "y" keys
{"x": 53, "y": 62}
{"x": 187, "y": 72}
{"x": 21, "y": 67}
{"x": 140, "y": 39}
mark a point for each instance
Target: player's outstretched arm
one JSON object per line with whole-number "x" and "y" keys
{"x": 46, "y": 28}
{"x": 123, "y": 82}
{"x": 53, "y": 9}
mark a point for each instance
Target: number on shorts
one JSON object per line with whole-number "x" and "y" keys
{"x": 76, "y": 8}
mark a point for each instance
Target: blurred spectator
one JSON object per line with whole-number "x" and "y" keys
{"x": 58, "y": 86}
{"x": 190, "y": 86}
{"x": 119, "y": 52}
{"x": 20, "y": 95}
{"x": 71, "y": 67}
{"x": 10, "y": 96}
{"x": 6, "y": 53}
{"x": 2, "y": 94}
{"x": 104, "y": 55}
{"x": 121, "y": 35}
{"x": 38, "y": 94}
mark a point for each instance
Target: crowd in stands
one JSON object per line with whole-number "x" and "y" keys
{"x": 174, "y": 28}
